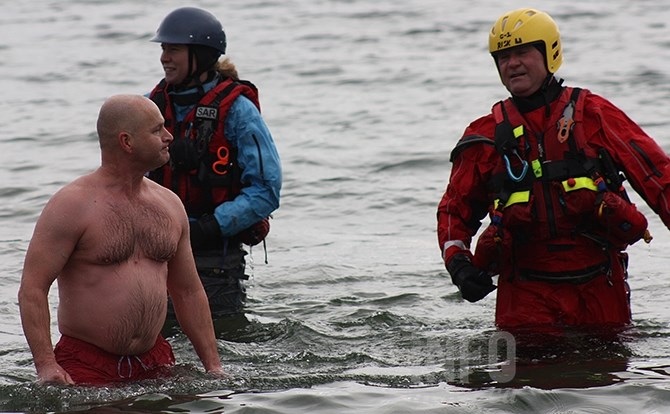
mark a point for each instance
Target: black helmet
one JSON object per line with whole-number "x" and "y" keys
{"x": 191, "y": 26}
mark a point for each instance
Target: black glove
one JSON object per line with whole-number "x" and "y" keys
{"x": 205, "y": 233}
{"x": 473, "y": 283}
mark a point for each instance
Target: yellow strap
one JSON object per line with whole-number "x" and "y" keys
{"x": 579, "y": 183}
{"x": 518, "y": 131}
{"x": 514, "y": 198}
{"x": 518, "y": 197}
{"x": 524, "y": 196}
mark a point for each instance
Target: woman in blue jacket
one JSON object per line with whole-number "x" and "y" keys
{"x": 223, "y": 161}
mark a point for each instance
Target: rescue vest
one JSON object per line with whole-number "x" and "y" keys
{"x": 203, "y": 169}
{"x": 537, "y": 163}
{"x": 547, "y": 187}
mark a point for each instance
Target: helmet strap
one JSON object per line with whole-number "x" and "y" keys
{"x": 184, "y": 84}
{"x": 202, "y": 65}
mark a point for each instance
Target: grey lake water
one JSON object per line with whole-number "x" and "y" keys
{"x": 353, "y": 311}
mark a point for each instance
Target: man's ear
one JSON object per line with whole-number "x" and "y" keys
{"x": 125, "y": 141}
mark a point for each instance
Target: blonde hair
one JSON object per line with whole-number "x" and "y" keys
{"x": 227, "y": 69}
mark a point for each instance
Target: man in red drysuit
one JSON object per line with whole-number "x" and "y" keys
{"x": 546, "y": 165}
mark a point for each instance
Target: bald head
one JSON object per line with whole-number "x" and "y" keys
{"x": 122, "y": 113}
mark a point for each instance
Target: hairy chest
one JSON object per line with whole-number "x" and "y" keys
{"x": 125, "y": 230}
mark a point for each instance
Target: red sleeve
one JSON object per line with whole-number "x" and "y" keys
{"x": 466, "y": 199}
{"x": 644, "y": 163}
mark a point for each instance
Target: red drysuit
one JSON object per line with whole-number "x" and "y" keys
{"x": 538, "y": 174}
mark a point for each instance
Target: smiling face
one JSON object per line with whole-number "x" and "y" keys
{"x": 522, "y": 69}
{"x": 174, "y": 59}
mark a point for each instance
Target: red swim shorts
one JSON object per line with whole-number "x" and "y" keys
{"x": 88, "y": 364}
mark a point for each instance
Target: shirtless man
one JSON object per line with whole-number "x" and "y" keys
{"x": 116, "y": 243}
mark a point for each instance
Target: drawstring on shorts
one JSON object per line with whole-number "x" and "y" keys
{"x": 129, "y": 360}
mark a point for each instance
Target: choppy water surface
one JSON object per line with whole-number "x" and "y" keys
{"x": 354, "y": 312}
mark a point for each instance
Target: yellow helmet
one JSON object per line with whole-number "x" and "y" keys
{"x": 527, "y": 26}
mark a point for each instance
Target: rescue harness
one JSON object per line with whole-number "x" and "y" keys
{"x": 203, "y": 168}
{"x": 516, "y": 178}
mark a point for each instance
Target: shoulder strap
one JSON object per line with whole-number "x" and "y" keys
{"x": 505, "y": 135}
{"x": 208, "y": 116}
{"x": 567, "y": 121}
{"x": 466, "y": 142}
{"x": 158, "y": 96}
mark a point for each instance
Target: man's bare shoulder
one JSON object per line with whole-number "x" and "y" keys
{"x": 72, "y": 194}
{"x": 66, "y": 214}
